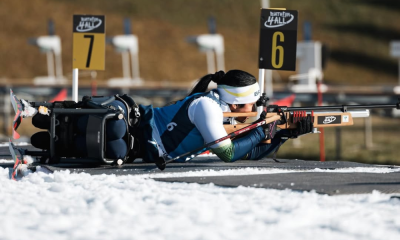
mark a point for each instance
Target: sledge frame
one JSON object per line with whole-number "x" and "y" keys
{"x": 97, "y": 153}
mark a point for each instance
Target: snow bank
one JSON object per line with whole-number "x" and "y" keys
{"x": 67, "y": 205}
{"x": 15, "y": 143}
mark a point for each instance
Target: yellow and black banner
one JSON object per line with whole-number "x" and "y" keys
{"x": 89, "y": 40}
{"x": 278, "y": 39}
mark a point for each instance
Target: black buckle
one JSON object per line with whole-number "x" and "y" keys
{"x": 262, "y": 101}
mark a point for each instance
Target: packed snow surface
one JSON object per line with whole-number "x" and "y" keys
{"x": 65, "y": 205}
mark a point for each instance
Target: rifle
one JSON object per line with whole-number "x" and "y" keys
{"x": 322, "y": 116}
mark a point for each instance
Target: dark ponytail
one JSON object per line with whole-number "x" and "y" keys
{"x": 237, "y": 78}
{"x": 234, "y": 78}
{"x": 203, "y": 83}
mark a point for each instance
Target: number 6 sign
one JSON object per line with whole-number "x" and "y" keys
{"x": 88, "y": 42}
{"x": 278, "y": 39}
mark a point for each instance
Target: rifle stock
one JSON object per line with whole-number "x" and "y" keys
{"x": 320, "y": 120}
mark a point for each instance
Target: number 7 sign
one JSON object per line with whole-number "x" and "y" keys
{"x": 88, "y": 42}
{"x": 278, "y": 39}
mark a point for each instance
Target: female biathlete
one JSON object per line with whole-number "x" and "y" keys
{"x": 181, "y": 127}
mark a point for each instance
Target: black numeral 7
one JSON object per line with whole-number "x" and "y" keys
{"x": 90, "y": 49}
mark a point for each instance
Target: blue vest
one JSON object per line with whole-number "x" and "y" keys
{"x": 177, "y": 133}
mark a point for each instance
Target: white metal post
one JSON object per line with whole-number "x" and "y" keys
{"x": 268, "y": 73}
{"x": 75, "y": 73}
{"x": 210, "y": 61}
{"x": 59, "y": 71}
{"x": 268, "y": 84}
{"x": 125, "y": 64}
{"x": 135, "y": 66}
{"x": 220, "y": 62}
{"x": 50, "y": 64}
{"x": 265, "y": 3}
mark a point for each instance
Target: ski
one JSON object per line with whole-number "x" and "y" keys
{"x": 18, "y": 160}
{"x": 16, "y": 103}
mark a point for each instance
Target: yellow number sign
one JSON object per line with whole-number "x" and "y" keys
{"x": 88, "y": 42}
{"x": 278, "y": 39}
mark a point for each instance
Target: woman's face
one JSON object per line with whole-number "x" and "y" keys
{"x": 248, "y": 107}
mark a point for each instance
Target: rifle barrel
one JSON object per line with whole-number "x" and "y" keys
{"x": 343, "y": 108}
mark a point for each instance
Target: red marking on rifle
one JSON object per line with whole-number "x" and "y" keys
{"x": 312, "y": 116}
{"x": 294, "y": 117}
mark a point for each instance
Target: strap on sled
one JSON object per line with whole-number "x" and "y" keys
{"x": 100, "y": 102}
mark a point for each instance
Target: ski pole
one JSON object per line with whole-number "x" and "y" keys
{"x": 161, "y": 163}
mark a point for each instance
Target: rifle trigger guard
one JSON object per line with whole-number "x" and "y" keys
{"x": 344, "y": 108}
{"x": 283, "y": 114}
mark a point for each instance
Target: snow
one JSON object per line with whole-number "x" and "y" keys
{"x": 65, "y": 205}
{"x": 15, "y": 143}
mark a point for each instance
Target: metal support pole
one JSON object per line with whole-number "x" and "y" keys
{"x": 125, "y": 65}
{"x": 268, "y": 84}
{"x": 210, "y": 61}
{"x": 93, "y": 74}
{"x": 338, "y": 132}
{"x": 264, "y": 3}
{"x": 50, "y": 64}
{"x": 368, "y": 132}
{"x": 220, "y": 62}
{"x": 59, "y": 71}
{"x": 75, "y": 74}
{"x": 135, "y": 66}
